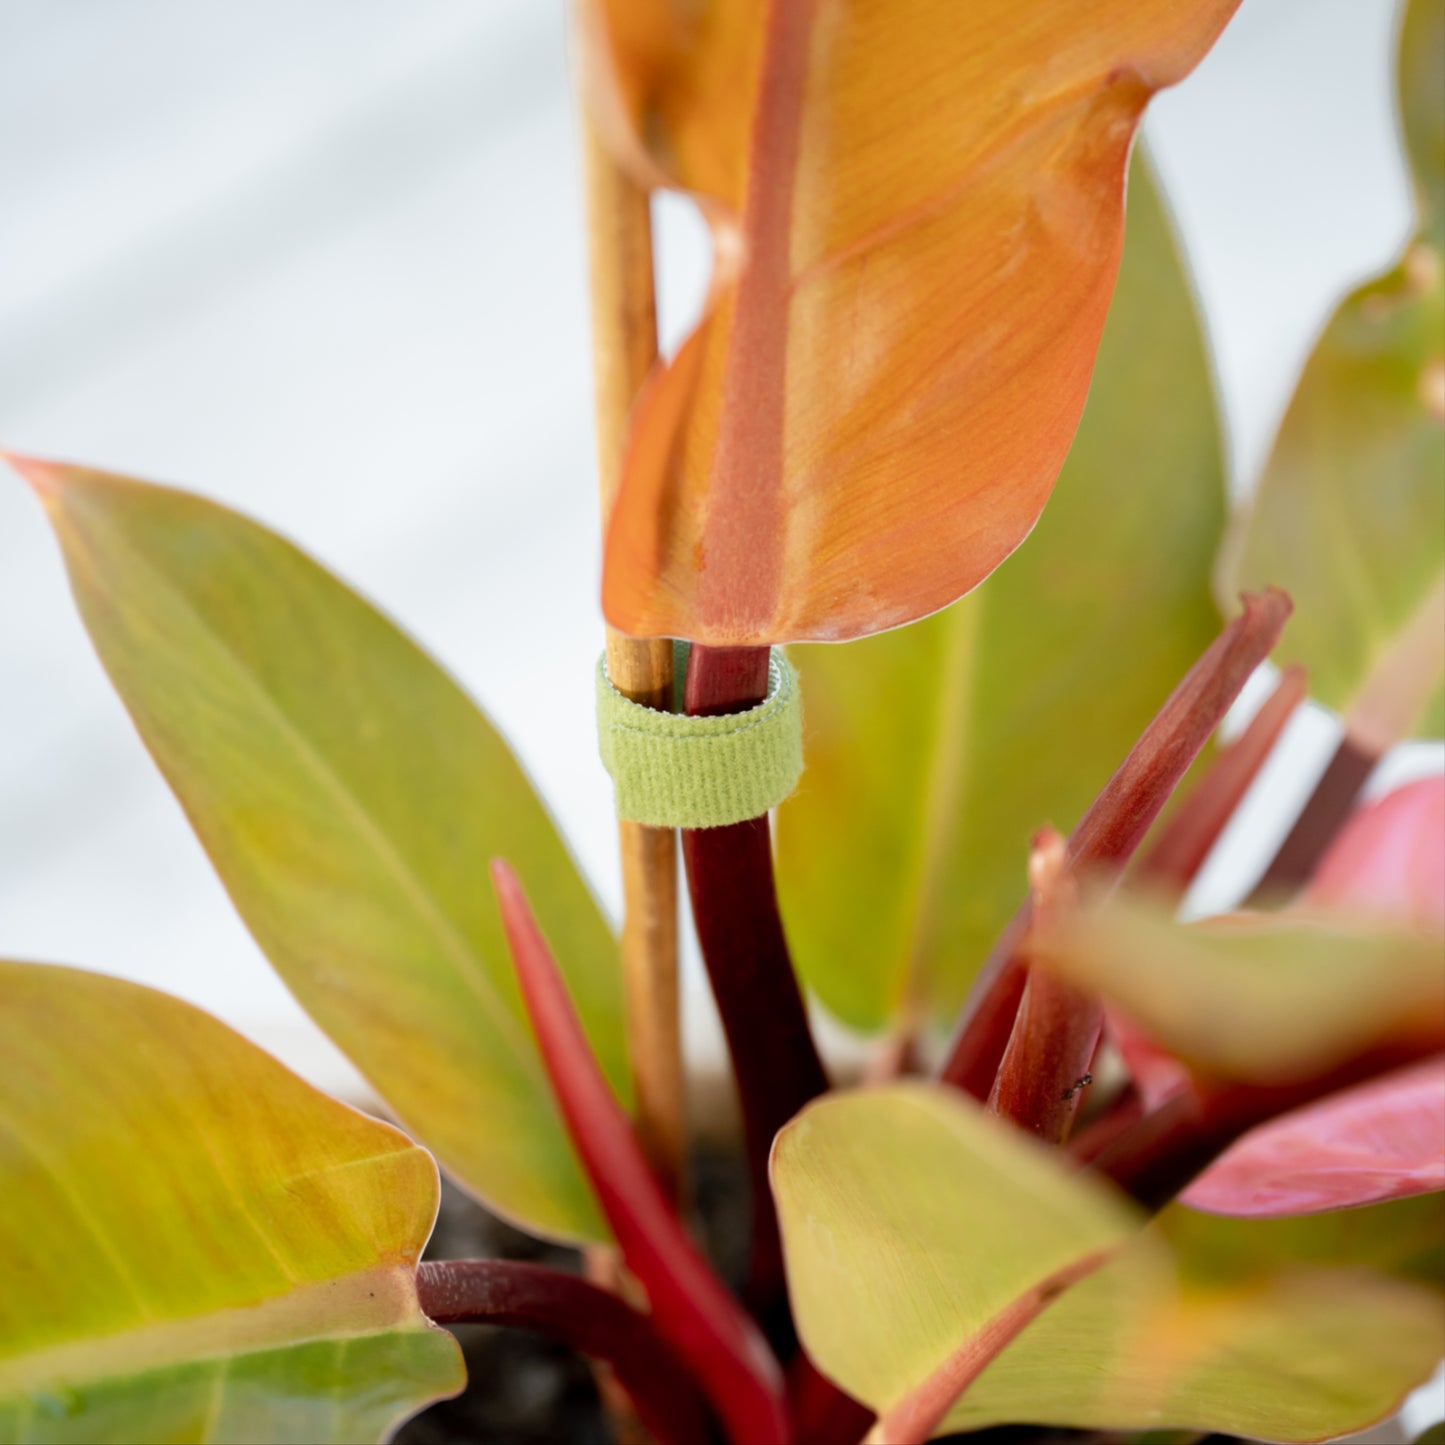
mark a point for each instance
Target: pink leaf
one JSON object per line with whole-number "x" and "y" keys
{"x": 1381, "y": 1140}
{"x": 1390, "y": 857}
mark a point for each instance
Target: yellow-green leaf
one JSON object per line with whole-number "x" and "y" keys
{"x": 1349, "y": 517}
{"x": 1301, "y": 1352}
{"x": 1422, "y": 109}
{"x": 194, "y": 1244}
{"x": 907, "y": 1213}
{"x": 350, "y": 796}
{"x": 1403, "y": 1238}
{"x": 1272, "y": 998}
{"x": 911, "y": 1218}
{"x": 918, "y": 218}
{"x": 933, "y": 752}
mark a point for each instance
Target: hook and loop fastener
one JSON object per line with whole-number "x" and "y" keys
{"x": 674, "y": 771}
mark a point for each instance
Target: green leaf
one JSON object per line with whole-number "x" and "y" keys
{"x": 350, "y": 796}
{"x": 934, "y": 752}
{"x": 1349, "y": 516}
{"x": 1272, "y": 998}
{"x": 911, "y": 1218}
{"x": 194, "y": 1244}
{"x": 907, "y": 1213}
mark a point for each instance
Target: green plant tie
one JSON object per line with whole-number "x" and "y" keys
{"x": 674, "y": 771}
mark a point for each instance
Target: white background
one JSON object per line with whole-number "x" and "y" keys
{"x": 323, "y": 261}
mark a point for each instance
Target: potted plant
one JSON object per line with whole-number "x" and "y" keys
{"x": 1161, "y": 1175}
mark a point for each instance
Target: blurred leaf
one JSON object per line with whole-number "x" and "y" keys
{"x": 1349, "y": 517}
{"x": 1404, "y": 1238}
{"x": 1381, "y": 1140}
{"x": 1293, "y": 1354}
{"x": 918, "y": 222}
{"x": 350, "y": 796}
{"x": 1422, "y": 109}
{"x": 195, "y": 1245}
{"x": 907, "y": 1213}
{"x": 1389, "y": 858}
{"x": 911, "y": 1218}
{"x": 935, "y": 751}
{"x": 1266, "y": 998}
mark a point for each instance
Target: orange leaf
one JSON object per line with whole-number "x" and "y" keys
{"x": 918, "y": 211}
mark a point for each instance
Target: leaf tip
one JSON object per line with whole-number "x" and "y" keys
{"x": 1269, "y": 604}
{"x": 45, "y": 479}
{"x": 518, "y": 921}
{"x": 504, "y": 879}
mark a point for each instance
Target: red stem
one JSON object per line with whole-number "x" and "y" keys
{"x": 1189, "y": 835}
{"x": 566, "y": 1308}
{"x": 1115, "y": 825}
{"x": 735, "y": 908}
{"x": 825, "y": 1415}
{"x": 1324, "y": 815}
{"x": 692, "y": 1308}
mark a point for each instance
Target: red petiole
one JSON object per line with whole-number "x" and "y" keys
{"x": 735, "y": 907}
{"x": 693, "y": 1310}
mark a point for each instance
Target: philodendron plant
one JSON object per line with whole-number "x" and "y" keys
{"x": 1161, "y": 1175}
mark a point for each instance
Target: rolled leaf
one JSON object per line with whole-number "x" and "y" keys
{"x": 1350, "y": 514}
{"x": 903, "y": 1214}
{"x": 934, "y": 752}
{"x": 1103, "y": 841}
{"x": 692, "y": 1308}
{"x": 917, "y": 221}
{"x": 1381, "y": 1140}
{"x": 349, "y": 795}
{"x": 1271, "y": 999}
{"x": 194, "y": 1244}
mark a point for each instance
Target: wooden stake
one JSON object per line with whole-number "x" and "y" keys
{"x": 624, "y": 350}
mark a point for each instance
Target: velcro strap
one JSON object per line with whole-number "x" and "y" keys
{"x": 674, "y": 771}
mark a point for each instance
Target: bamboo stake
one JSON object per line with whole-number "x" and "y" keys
{"x": 624, "y": 350}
